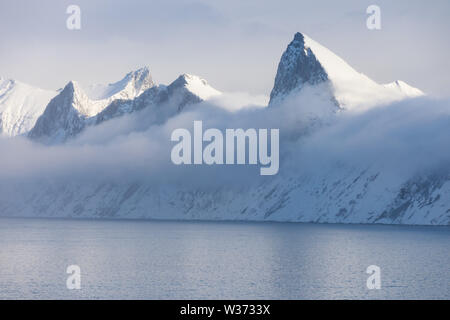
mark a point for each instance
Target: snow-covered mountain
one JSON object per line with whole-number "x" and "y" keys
{"x": 131, "y": 86}
{"x": 166, "y": 101}
{"x": 335, "y": 192}
{"x": 63, "y": 117}
{"x": 74, "y": 109}
{"x": 20, "y": 106}
{"x": 307, "y": 63}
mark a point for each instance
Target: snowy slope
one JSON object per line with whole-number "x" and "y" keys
{"x": 20, "y": 106}
{"x": 306, "y": 62}
{"x": 346, "y": 195}
{"x": 198, "y": 86}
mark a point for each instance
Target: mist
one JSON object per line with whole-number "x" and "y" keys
{"x": 404, "y": 138}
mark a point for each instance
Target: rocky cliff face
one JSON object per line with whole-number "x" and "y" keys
{"x": 63, "y": 117}
{"x": 298, "y": 67}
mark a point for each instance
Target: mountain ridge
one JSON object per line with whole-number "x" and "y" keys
{"x": 61, "y": 122}
{"x": 305, "y": 63}
{"x": 78, "y": 110}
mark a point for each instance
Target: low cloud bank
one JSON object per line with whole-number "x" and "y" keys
{"x": 404, "y": 137}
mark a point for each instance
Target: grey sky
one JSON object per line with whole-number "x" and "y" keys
{"x": 234, "y": 44}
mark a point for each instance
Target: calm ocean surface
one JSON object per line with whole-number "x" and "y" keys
{"x": 220, "y": 260}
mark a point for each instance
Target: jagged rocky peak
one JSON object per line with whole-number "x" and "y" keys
{"x": 63, "y": 117}
{"x": 307, "y": 63}
{"x": 141, "y": 75}
{"x": 298, "y": 66}
{"x": 140, "y": 79}
{"x": 72, "y": 87}
{"x": 76, "y": 98}
{"x": 132, "y": 85}
{"x": 182, "y": 80}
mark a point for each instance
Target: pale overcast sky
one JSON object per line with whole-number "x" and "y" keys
{"x": 234, "y": 44}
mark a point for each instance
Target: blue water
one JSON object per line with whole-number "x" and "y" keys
{"x": 220, "y": 260}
